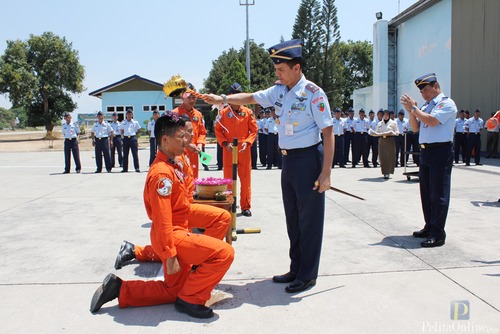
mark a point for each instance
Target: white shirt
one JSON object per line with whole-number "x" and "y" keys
{"x": 445, "y": 111}
{"x": 101, "y": 130}
{"x": 130, "y": 128}
{"x": 474, "y": 125}
{"x": 70, "y": 130}
{"x": 151, "y": 128}
{"x": 402, "y": 125}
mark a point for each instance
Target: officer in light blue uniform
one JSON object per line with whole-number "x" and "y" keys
{"x": 130, "y": 127}
{"x": 303, "y": 113}
{"x": 262, "y": 138}
{"x": 349, "y": 134}
{"x": 402, "y": 123}
{"x": 436, "y": 121}
{"x": 152, "y": 139}
{"x": 360, "y": 128}
{"x": 473, "y": 128}
{"x": 70, "y": 131}
{"x": 102, "y": 134}
{"x": 271, "y": 127}
{"x": 339, "y": 128}
{"x": 117, "y": 141}
{"x": 460, "y": 139}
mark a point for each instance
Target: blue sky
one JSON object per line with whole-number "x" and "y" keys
{"x": 159, "y": 38}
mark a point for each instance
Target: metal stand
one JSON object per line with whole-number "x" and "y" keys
{"x": 407, "y": 154}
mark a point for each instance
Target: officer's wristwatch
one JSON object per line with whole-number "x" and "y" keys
{"x": 224, "y": 98}
{"x": 413, "y": 108}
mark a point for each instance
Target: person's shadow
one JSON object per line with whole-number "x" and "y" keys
{"x": 400, "y": 241}
{"x": 263, "y": 293}
{"x": 488, "y": 262}
{"x": 488, "y": 203}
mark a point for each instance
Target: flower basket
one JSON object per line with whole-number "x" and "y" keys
{"x": 209, "y": 191}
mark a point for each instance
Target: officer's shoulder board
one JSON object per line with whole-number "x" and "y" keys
{"x": 312, "y": 87}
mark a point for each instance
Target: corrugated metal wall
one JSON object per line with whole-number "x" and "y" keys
{"x": 475, "y": 61}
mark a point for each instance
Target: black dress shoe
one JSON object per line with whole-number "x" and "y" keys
{"x": 66, "y": 172}
{"x": 421, "y": 234}
{"x": 77, "y": 171}
{"x": 286, "y": 278}
{"x": 97, "y": 171}
{"x": 246, "y": 213}
{"x": 298, "y": 285}
{"x": 137, "y": 170}
{"x": 125, "y": 254}
{"x": 194, "y": 310}
{"x": 109, "y": 290}
{"x": 124, "y": 171}
{"x": 432, "y": 242}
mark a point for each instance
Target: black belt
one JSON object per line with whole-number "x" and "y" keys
{"x": 474, "y": 133}
{"x": 69, "y": 138}
{"x": 360, "y": 133}
{"x": 338, "y": 135}
{"x": 101, "y": 138}
{"x": 298, "y": 150}
{"x": 272, "y": 134}
{"x": 129, "y": 137}
{"x": 434, "y": 145}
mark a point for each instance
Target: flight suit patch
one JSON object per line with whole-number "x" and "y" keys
{"x": 164, "y": 187}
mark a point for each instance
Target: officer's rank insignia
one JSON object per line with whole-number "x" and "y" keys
{"x": 179, "y": 175}
{"x": 312, "y": 88}
{"x": 195, "y": 119}
{"x": 164, "y": 187}
{"x": 304, "y": 94}
{"x": 242, "y": 114}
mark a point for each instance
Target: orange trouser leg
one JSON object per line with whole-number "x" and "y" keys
{"x": 214, "y": 220}
{"x": 244, "y": 174}
{"x": 213, "y": 257}
{"x": 146, "y": 254}
{"x": 194, "y": 158}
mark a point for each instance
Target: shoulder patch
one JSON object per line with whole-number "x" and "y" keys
{"x": 164, "y": 187}
{"x": 312, "y": 88}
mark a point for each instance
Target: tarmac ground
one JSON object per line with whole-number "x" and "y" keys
{"x": 59, "y": 236}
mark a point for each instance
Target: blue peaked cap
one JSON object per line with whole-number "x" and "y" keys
{"x": 285, "y": 51}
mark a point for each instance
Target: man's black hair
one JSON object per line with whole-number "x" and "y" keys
{"x": 167, "y": 125}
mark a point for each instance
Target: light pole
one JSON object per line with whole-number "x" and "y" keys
{"x": 247, "y": 3}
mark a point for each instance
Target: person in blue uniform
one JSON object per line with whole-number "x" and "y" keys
{"x": 360, "y": 128}
{"x": 117, "y": 141}
{"x": 70, "y": 131}
{"x": 460, "y": 138}
{"x": 262, "y": 137}
{"x": 130, "y": 127}
{"x": 339, "y": 128}
{"x": 435, "y": 121}
{"x": 402, "y": 123}
{"x": 348, "y": 135}
{"x": 152, "y": 139}
{"x": 102, "y": 137}
{"x": 373, "y": 140}
{"x": 473, "y": 128}
{"x": 302, "y": 115}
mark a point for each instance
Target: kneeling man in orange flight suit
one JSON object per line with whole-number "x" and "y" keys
{"x": 236, "y": 121}
{"x": 215, "y": 221}
{"x": 167, "y": 205}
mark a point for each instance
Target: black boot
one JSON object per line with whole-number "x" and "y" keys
{"x": 109, "y": 290}
{"x": 125, "y": 254}
{"x": 194, "y": 310}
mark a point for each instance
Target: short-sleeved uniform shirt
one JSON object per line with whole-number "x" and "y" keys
{"x": 70, "y": 130}
{"x": 474, "y": 125}
{"x": 445, "y": 111}
{"x": 302, "y": 112}
{"x": 102, "y": 130}
{"x": 130, "y": 128}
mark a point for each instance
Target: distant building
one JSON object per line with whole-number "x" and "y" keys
{"x": 140, "y": 95}
{"x": 456, "y": 39}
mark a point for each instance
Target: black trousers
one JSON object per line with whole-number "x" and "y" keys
{"x": 435, "y": 182}
{"x": 254, "y": 155}
{"x": 373, "y": 146}
{"x": 71, "y": 146}
{"x": 304, "y": 211}
{"x": 359, "y": 149}
{"x": 118, "y": 147}
{"x": 348, "y": 136}
{"x": 273, "y": 153}
{"x": 262, "y": 148}
{"x": 473, "y": 143}
{"x": 152, "y": 150}
{"x": 130, "y": 144}
{"x": 492, "y": 143}
{"x": 102, "y": 149}
{"x": 400, "y": 150}
{"x": 460, "y": 145}
{"x": 338, "y": 156}
{"x": 412, "y": 145}
{"x": 219, "y": 157}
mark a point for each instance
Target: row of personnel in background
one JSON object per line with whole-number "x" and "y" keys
{"x": 106, "y": 138}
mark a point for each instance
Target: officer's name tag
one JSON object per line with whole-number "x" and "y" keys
{"x": 288, "y": 128}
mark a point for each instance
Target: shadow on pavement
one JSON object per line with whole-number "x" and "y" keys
{"x": 400, "y": 241}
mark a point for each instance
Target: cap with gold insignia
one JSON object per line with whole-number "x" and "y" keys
{"x": 286, "y": 51}
{"x": 235, "y": 88}
{"x": 424, "y": 80}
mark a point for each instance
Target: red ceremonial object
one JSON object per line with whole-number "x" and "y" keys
{"x": 493, "y": 121}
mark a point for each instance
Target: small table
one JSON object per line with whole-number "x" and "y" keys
{"x": 227, "y": 205}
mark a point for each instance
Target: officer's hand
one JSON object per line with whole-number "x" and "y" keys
{"x": 322, "y": 184}
{"x": 93, "y": 143}
{"x": 212, "y": 99}
{"x": 192, "y": 147}
{"x": 243, "y": 146}
{"x": 229, "y": 147}
{"x": 199, "y": 147}
{"x": 111, "y": 144}
{"x": 173, "y": 265}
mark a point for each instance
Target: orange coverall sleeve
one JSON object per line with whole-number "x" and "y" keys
{"x": 252, "y": 129}
{"x": 159, "y": 210}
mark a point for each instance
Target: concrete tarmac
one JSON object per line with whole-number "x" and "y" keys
{"x": 59, "y": 236}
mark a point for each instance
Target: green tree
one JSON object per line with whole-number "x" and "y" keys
{"x": 235, "y": 73}
{"x": 306, "y": 27}
{"x": 330, "y": 36}
{"x": 356, "y": 68}
{"x": 7, "y": 119}
{"x": 38, "y": 75}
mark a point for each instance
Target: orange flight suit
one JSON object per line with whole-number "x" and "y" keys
{"x": 239, "y": 124}
{"x": 199, "y": 134}
{"x": 214, "y": 220}
{"x": 167, "y": 205}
